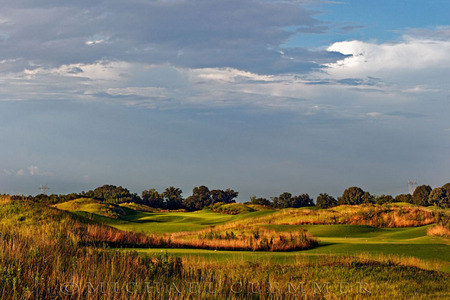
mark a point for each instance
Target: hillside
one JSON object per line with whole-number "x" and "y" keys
{"x": 398, "y": 229}
{"x": 47, "y": 253}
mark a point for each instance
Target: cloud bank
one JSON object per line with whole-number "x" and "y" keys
{"x": 180, "y": 74}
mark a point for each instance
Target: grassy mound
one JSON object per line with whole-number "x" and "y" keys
{"x": 92, "y": 206}
{"x": 371, "y": 215}
{"x": 46, "y": 253}
{"x": 138, "y": 207}
{"x": 231, "y": 208}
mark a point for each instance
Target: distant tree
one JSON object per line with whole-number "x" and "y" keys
{"x": 200, "y": 198}
{"x": 172, "y": 197}
{"x": 301, "y": 201}
{"x": 48, "y": 199}
{"x": 283, "y": 201}
{"x": 42, "y": 198}
{"x": 404, "y": 198}
{"x": 286, "y": 200}
{"x": 190, "y": 203}
{"x": 352, "y": 196}
{"x": 438, "y": 197}
{"x": 368, "y": 198}
{"x": 421, "y": 194}
{"x": 325, "y": 201}
{"x": 152, "y": 198}
{"x": 71, "y": 196}
{"x": 260, "y": 201}
{"x": 216, "y": 196}
{"x": 113, "y": 194}
{"x": 275, "y": 202}
{"x": 226, "y": 196}
{"x": 384, "y": 199}
{"x": 447, "y": 188}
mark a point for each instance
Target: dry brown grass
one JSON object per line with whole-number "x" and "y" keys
{"x": 372, "y": 215}
{"x": 439, "y": 230}
{"x": 245, "y": 238}
{"x": 42, "y": 256}
{"x": 5, "y": 199}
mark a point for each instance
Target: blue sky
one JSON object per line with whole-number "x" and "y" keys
{"x": 259, "y": 96}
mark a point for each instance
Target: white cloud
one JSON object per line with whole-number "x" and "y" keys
{"x": 3, "y": 20}
{"x": 228, "y": 75}
{"x": 35, "y": 171}
{"x": 7, "y": 172}
{"x": 438, "y": 33}
{"x": 420, "y": 89}
{"x": 138, "y": 91}
{"x": 375, "y": 77}
{"x": 100, "y": 71}
{"x": 32, "y": 170}
{"x": 374, "y": 114}
{"x": 371, "y": 59}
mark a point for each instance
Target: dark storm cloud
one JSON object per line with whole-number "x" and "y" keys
{"x": 200, "y": 33}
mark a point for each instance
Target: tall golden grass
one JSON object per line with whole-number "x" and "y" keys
{"x": 372, "y": 215}
{"x": 245, "y": 238}
{"x": 439, "y": 230}
{"x": 45, "y": 254}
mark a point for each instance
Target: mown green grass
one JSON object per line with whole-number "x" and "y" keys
{"x": 155, "y": 222}
{"x": 40, "y": 253}
{"x": 364, "y": 233}
{"x": 92, "y": 206}
{"x": 337, "y": 239}
{"x": 436, "y": 255}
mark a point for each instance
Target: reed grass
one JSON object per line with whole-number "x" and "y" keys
{"x": 49, "y": 254}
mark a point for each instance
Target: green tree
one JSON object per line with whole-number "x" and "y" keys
{"x": 384, "y": 199}
{"x": 113, "y": 194}
{"x": 224, "y": 196}
{"x": 446, "y": 187}
{"x": 368, "y": 198}
{"x": 301, "y": 201}
{"x": 407, "y": 198}
{"x": 172, "y": 197}
{"x": 325, "y": 201}
{"x": 260, "y": 201}
{"x": 152, "y": 198}
{"x": 200, "y": 198}
{"x": 283, "y": 201}
{"x": 438, "y": 197}
{"x": 421, "y": 194}
{"x": 352, "y": 196}
{"x": 286, "y": 200}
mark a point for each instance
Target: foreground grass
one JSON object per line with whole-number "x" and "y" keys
{"x": 43, "y": 256}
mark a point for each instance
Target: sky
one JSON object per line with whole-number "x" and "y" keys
{"x": 263, "y": 97}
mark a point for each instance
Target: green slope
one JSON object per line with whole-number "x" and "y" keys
{"x": 333, "y": 239}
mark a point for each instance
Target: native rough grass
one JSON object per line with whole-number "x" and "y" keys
{"x": 372, "y": 215}
{"x": 49, "y": 254}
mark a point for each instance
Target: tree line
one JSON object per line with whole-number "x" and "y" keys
{"x": 171, "y": 198}
{"x": 423, "y": 195}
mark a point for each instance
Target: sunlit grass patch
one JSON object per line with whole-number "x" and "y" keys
{"x": 92, "y": 206}
{"x": 440, "y": 231}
